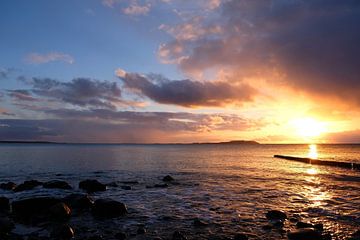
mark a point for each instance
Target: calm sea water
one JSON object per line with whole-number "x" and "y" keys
{"x": 230, "y": 187}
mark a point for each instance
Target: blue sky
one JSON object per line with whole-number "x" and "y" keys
{"x": 99, "y": 38}
{"x": 180, "y": 71}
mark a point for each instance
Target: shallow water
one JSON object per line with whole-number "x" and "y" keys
{"x": 230, "y": 187}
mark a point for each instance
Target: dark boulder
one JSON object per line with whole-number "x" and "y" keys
{"x": 304, "y": 225}
{"x": 62, "y": 232}
{"x": 177, "y": 235}
{"x": 276, "y": 215}
{"x": 355, "y": 235}
{"x": 8, "y": 186}
{"x": 4, "y": 205}
{"x": 27, "y": 185}
{"x": 120, "y": 236}
{"x": 60, "y": 211}
{"x": 109, "y": 208}
{"x": 57, "y": 184}
{"x": 33, "y": 207}
{"x": 141, "y": 230}
{"x": 6, "y": 225}
{"x": 92, "y": 186}
{"x": 168, "y": 178}
{"x": 304, "y": 234}
{"x": 79, "y": 201}
{"x": 240, "y": 236}
{"x": 319, "y": 226}
{"x": 199, "y": 223}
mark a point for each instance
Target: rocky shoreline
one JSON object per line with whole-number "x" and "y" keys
{"x": 72, "y": 216}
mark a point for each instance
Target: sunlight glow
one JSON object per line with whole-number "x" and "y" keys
{"x": 311, "y": 171}
{"x": 308, "y": 127}
{"x": 313, "y": 154}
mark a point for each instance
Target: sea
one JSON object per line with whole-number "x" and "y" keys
{"x": 230, "y": 188}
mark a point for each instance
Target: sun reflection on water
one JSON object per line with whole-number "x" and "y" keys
{"x": 312, "y": 171}
{"x": 313, "y": 154}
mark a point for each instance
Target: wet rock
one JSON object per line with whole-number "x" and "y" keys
{"x": 57, "y": 184}
{"x": 109, "y": 208}
{"x": 328, "y": 236}
{"x": 8, "y": 186}
{"x": 199, "y": 223}
{"x": 60, "y": 211}
{"x": 293, "y": 220}
{"x": 240, "y": 236}
{"x": 120, "y": 236}
{"x": 6, "y": 225}
{"x": 79, "y": 201}
{"x": 126, "y": 187}
{"x": 168, "y": 178}
{"x": 276, "y": 215}
{"x": 319, "y": 226}
{"x": 178, "y": 236}
{"x": 27, "y": 185}
{"x": 92, "y": 186}
{"x": 355, "y": 235}
{"x": 304, "y": 234}
{"x": 62, "y": 232}
{"x": 278, "y": 224}
{"x": 141, "y": 230}
{"x": 33, "y": 207}
{"x": 4, "y": 205}
{"x": 304, "y": 225}
{"x": 267, "y": 227}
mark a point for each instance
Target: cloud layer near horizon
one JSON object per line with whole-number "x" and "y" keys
{"x": 103, "y": 125}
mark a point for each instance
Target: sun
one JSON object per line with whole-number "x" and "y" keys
{"x": 308, "y": 127}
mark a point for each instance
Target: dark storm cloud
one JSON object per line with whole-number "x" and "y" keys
{"x": 186, "y": 92}
{"x": 83, "y": 92}
{"x": 312, "y": 45}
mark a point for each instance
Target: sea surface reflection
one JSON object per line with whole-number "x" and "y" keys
{"x": 229, "y": 187}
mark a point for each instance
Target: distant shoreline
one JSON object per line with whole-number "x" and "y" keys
{"x": 234, "y": 142}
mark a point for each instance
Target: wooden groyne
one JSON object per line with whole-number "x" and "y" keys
{"x": 348, "y": 165}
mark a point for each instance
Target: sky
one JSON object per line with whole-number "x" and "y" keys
{"x": 178, "y": 71}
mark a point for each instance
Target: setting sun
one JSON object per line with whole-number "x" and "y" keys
{"x": 308, "y": 127}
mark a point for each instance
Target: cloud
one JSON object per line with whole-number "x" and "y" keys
{"x": 82, "y": 92}
{"x": 101, "y": 125}
{"x": 37, "y": 58}
{"x": 185, "y": 92}
{"x": 109, "y": 3}
{"x": 352, "y": 136}
{"x": 5, "y": 112}
{"x": 311, "y": 46}
{"x": 6, "y": 72}
{"x": 136, "y": 9}
{"x": 21, "y": 95}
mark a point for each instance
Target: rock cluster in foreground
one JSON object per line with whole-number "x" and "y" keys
{"x": 54, "y": 215}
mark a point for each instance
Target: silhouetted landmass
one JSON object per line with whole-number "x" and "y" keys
{"x": 235, "y": 142}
